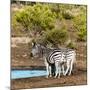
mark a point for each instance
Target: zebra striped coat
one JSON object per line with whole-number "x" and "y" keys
{"x": 56, "y": 57}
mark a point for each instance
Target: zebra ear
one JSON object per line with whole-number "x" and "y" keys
{"x": 33, "y": 43}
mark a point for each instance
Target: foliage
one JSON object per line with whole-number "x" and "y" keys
{"x": 67, "y": 15}
{"x": 61, "y": 11}
{"x": 71, "y": 45}
{"x": 80, "y": 25}
{"x": 81, "y": 36}
{"x": 44, "y": 22}
{"x": 37, "y": 17}
{"x": 55, "y": 36}
{"x": 16, "y": 27}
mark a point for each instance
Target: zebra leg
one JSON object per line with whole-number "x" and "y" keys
{"x": 50, "y": 72}
{"x": 56, "y": 72}
{"x": 63, "y": 69}
{"x": 59, "y": 70}
{"x": 47, "y": 68}
{"x": 68, "y": 67}
{"x": 71, "y": 66}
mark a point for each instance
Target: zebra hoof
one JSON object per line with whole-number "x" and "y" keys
{"x": 64, "y": 74}
{"x": 46, "y": 76}
{"x": 55, "y": 76}
{"x": 50, "y": 75}
{"x": 58, "y": 76}
{"x": 69, "y": 74}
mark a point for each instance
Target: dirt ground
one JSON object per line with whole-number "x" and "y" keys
{"x": 20, "y": 59}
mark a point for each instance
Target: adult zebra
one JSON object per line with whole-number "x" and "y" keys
{"x": 56, "y": 57}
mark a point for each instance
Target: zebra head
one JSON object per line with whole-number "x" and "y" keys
{"x": 35, "y": 49}
{"x": 39, "y": 50}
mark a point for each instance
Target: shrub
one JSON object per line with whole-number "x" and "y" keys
{"x": 55, "y": 37}
{"x": 71, "y": 45}
{"x": 67, "y": 15}
{"x": 38, "y": 17}
{"x": 17, "y": 28}
{"x": 80, "y": 25}
{"x": 81, "y": 36}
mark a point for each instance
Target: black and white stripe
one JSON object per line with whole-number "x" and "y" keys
{"x": 56, "y": 57}
{"x": 70, "y": 58}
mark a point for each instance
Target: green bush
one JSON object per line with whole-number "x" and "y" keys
{"x": 55, "y": 37}
{"x": 44, "y": 22}
{"x": 80, "y": 25}
{"x": 71, "y": 45}
{"x": 17, "y": 28}
{"x": 81, "y": 36}
{"x": 61, "y": 11}
{"x": 67, "y": 15}
{"x": 38, "y": 17}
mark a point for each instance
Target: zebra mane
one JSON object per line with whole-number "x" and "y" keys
{"x": 43, "y": 50}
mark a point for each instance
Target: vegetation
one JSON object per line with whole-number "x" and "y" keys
{"x": 80, "y": 25}
{"x": 37, "y": 18}
{"x": 67, "y": 15}
{"x": 54, "y": 37}
{"x": 71, "y": 45}
{"x": 50, "y": 23}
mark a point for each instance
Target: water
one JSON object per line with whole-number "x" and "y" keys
{"x": 17, "y": 74}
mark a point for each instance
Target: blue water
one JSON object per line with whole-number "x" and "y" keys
{"x": 17, "y": 74}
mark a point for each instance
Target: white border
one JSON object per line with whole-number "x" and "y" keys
{"x": 5, "y": 44}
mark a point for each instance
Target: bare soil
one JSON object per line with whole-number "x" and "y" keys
{"x": 20, "y": 59}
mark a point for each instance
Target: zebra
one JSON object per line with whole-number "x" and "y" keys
{"x": 51, "y": 56}
{"x": 54, "y": 56}
{"x": 69, "y": 56}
